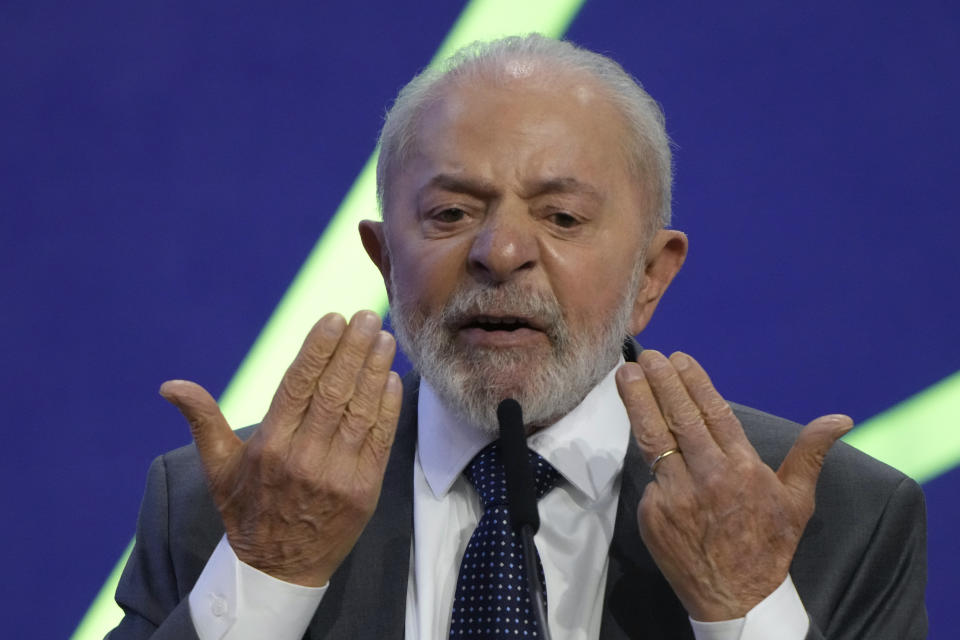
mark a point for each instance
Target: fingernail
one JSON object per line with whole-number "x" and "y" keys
{"x": 630, "y": 372}
{"x": 383, "y": 342}
{"x": 167, "y": 388}
{"x": 680, "y": 360}
{"x": 841, "y": 419}
{"x": 333, "y": 324}
{"x": 394, "y": 385}
{"x": 367, "y": 321}
{"x": 652, "y": 359}
{"x": 168, "y": 392}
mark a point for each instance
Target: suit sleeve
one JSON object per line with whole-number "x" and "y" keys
{"x": 148, "y": 592}
{"x": 884, "y": 598}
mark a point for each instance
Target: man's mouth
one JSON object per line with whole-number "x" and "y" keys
{"x": 500, "y": 323}
{"x": 502, "y": 331}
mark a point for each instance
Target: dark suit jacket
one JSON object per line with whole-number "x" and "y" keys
{"x": 860, "y": 567}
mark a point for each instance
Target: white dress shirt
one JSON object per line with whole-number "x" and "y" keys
{"x": 233, "y": 601}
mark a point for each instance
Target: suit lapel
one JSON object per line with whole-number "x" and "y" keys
{"x": 638, "y": 602}
{"x": 367, "y": 595}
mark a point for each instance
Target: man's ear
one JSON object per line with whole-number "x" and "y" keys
{"x": 372, "y": 235}
{"x": 664, "y": 257}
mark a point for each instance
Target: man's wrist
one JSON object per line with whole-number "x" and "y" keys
{"x": 779, "y": 616}
{"x": 234, "y": 601}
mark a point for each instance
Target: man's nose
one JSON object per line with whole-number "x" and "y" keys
{"x": 505, "y": 246}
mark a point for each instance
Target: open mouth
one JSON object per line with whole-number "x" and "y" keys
{"x": 500, "y": 323}
{"x": 502, "y": 331}
{"x": 497, "y": 323}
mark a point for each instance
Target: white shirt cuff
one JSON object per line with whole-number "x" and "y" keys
{"x": 779, "y": 616}
{"x": 233, "y": 601}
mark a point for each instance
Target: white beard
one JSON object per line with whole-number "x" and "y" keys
{"x": 472, "y": 381}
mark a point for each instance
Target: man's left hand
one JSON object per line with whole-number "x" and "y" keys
{"x": 721, "y": 525}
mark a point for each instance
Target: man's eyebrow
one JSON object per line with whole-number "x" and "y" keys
{"x": 483, "y": 189}
{"x": 563, "y": 185}
{"x": 461, "y": 184}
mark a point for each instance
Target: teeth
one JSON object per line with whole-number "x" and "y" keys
{"x": 497, "y": 320}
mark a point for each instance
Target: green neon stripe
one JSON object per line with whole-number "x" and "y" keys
{"x": 920, "y": 436}
{"x": 490, "y": 19}
{"x": 103, "y": 614}
{"x": 337, "y": 276}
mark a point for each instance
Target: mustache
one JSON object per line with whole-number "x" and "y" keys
{"x": 538, "y": 308}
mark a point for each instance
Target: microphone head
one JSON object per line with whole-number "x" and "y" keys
{"x": 521, "y": 490}
{"x": 509, "y": 414}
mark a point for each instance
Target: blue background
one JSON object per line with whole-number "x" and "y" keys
{"x": 166, "y": 167}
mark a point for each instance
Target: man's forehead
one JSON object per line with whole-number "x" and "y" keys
{"x": 517, "y": 80}
{"x": 529, "y": 113}
{"x": 570, "y": 107}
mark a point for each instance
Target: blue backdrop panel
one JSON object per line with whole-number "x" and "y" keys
{"x": 166, "y": 167}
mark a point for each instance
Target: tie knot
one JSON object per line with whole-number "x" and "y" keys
{"x": 485, "y": 473}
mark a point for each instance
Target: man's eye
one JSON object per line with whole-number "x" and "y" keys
{"x": 449, "y": 215}
{"x": 564, "y": 220}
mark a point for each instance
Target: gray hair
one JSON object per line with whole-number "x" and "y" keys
{"x": 647, "y": 144}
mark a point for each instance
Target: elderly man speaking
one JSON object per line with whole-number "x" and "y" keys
{"x": 525, "y": 191}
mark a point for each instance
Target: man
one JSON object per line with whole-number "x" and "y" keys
{"x": 526, "y": 196}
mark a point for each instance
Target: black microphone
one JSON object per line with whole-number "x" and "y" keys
{"x": 522, "y": 499}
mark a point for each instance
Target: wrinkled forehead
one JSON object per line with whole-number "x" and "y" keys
{"x": 495, "y": 98}
{"x": 515, "y": 80}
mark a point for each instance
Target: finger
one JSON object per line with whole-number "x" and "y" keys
{"x": 716, "y": 413}
{"x": 300, "y": 380}
{"x": 380, "y": 437}
{"x": 364, "y": 405}
{"x": 338, "y": 381}
{"x": 649, "y": 429}
{"x": 680, "y": 412}
{"x": 214, "y": 438}
{"x": 801, "y": 468}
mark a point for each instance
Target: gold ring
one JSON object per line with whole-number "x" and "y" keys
{"x": 659, "y": 459}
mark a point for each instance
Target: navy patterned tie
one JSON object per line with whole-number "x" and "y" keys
{"x": 492, "y": 598}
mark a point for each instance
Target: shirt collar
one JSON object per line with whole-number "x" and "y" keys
{"x": 587, "y": 446}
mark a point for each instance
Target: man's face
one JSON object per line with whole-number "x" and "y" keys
{"x": 515, "y": 233}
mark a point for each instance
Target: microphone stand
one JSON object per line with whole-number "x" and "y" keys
{"x": 522, "y": 501}
{"x": 533, "y": 581}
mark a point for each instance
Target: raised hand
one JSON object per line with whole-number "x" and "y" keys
{"x": 721, "y": 525}
{"x": 295, "y": 497}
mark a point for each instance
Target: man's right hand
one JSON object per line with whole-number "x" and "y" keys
{"x": 295, "y": 497}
